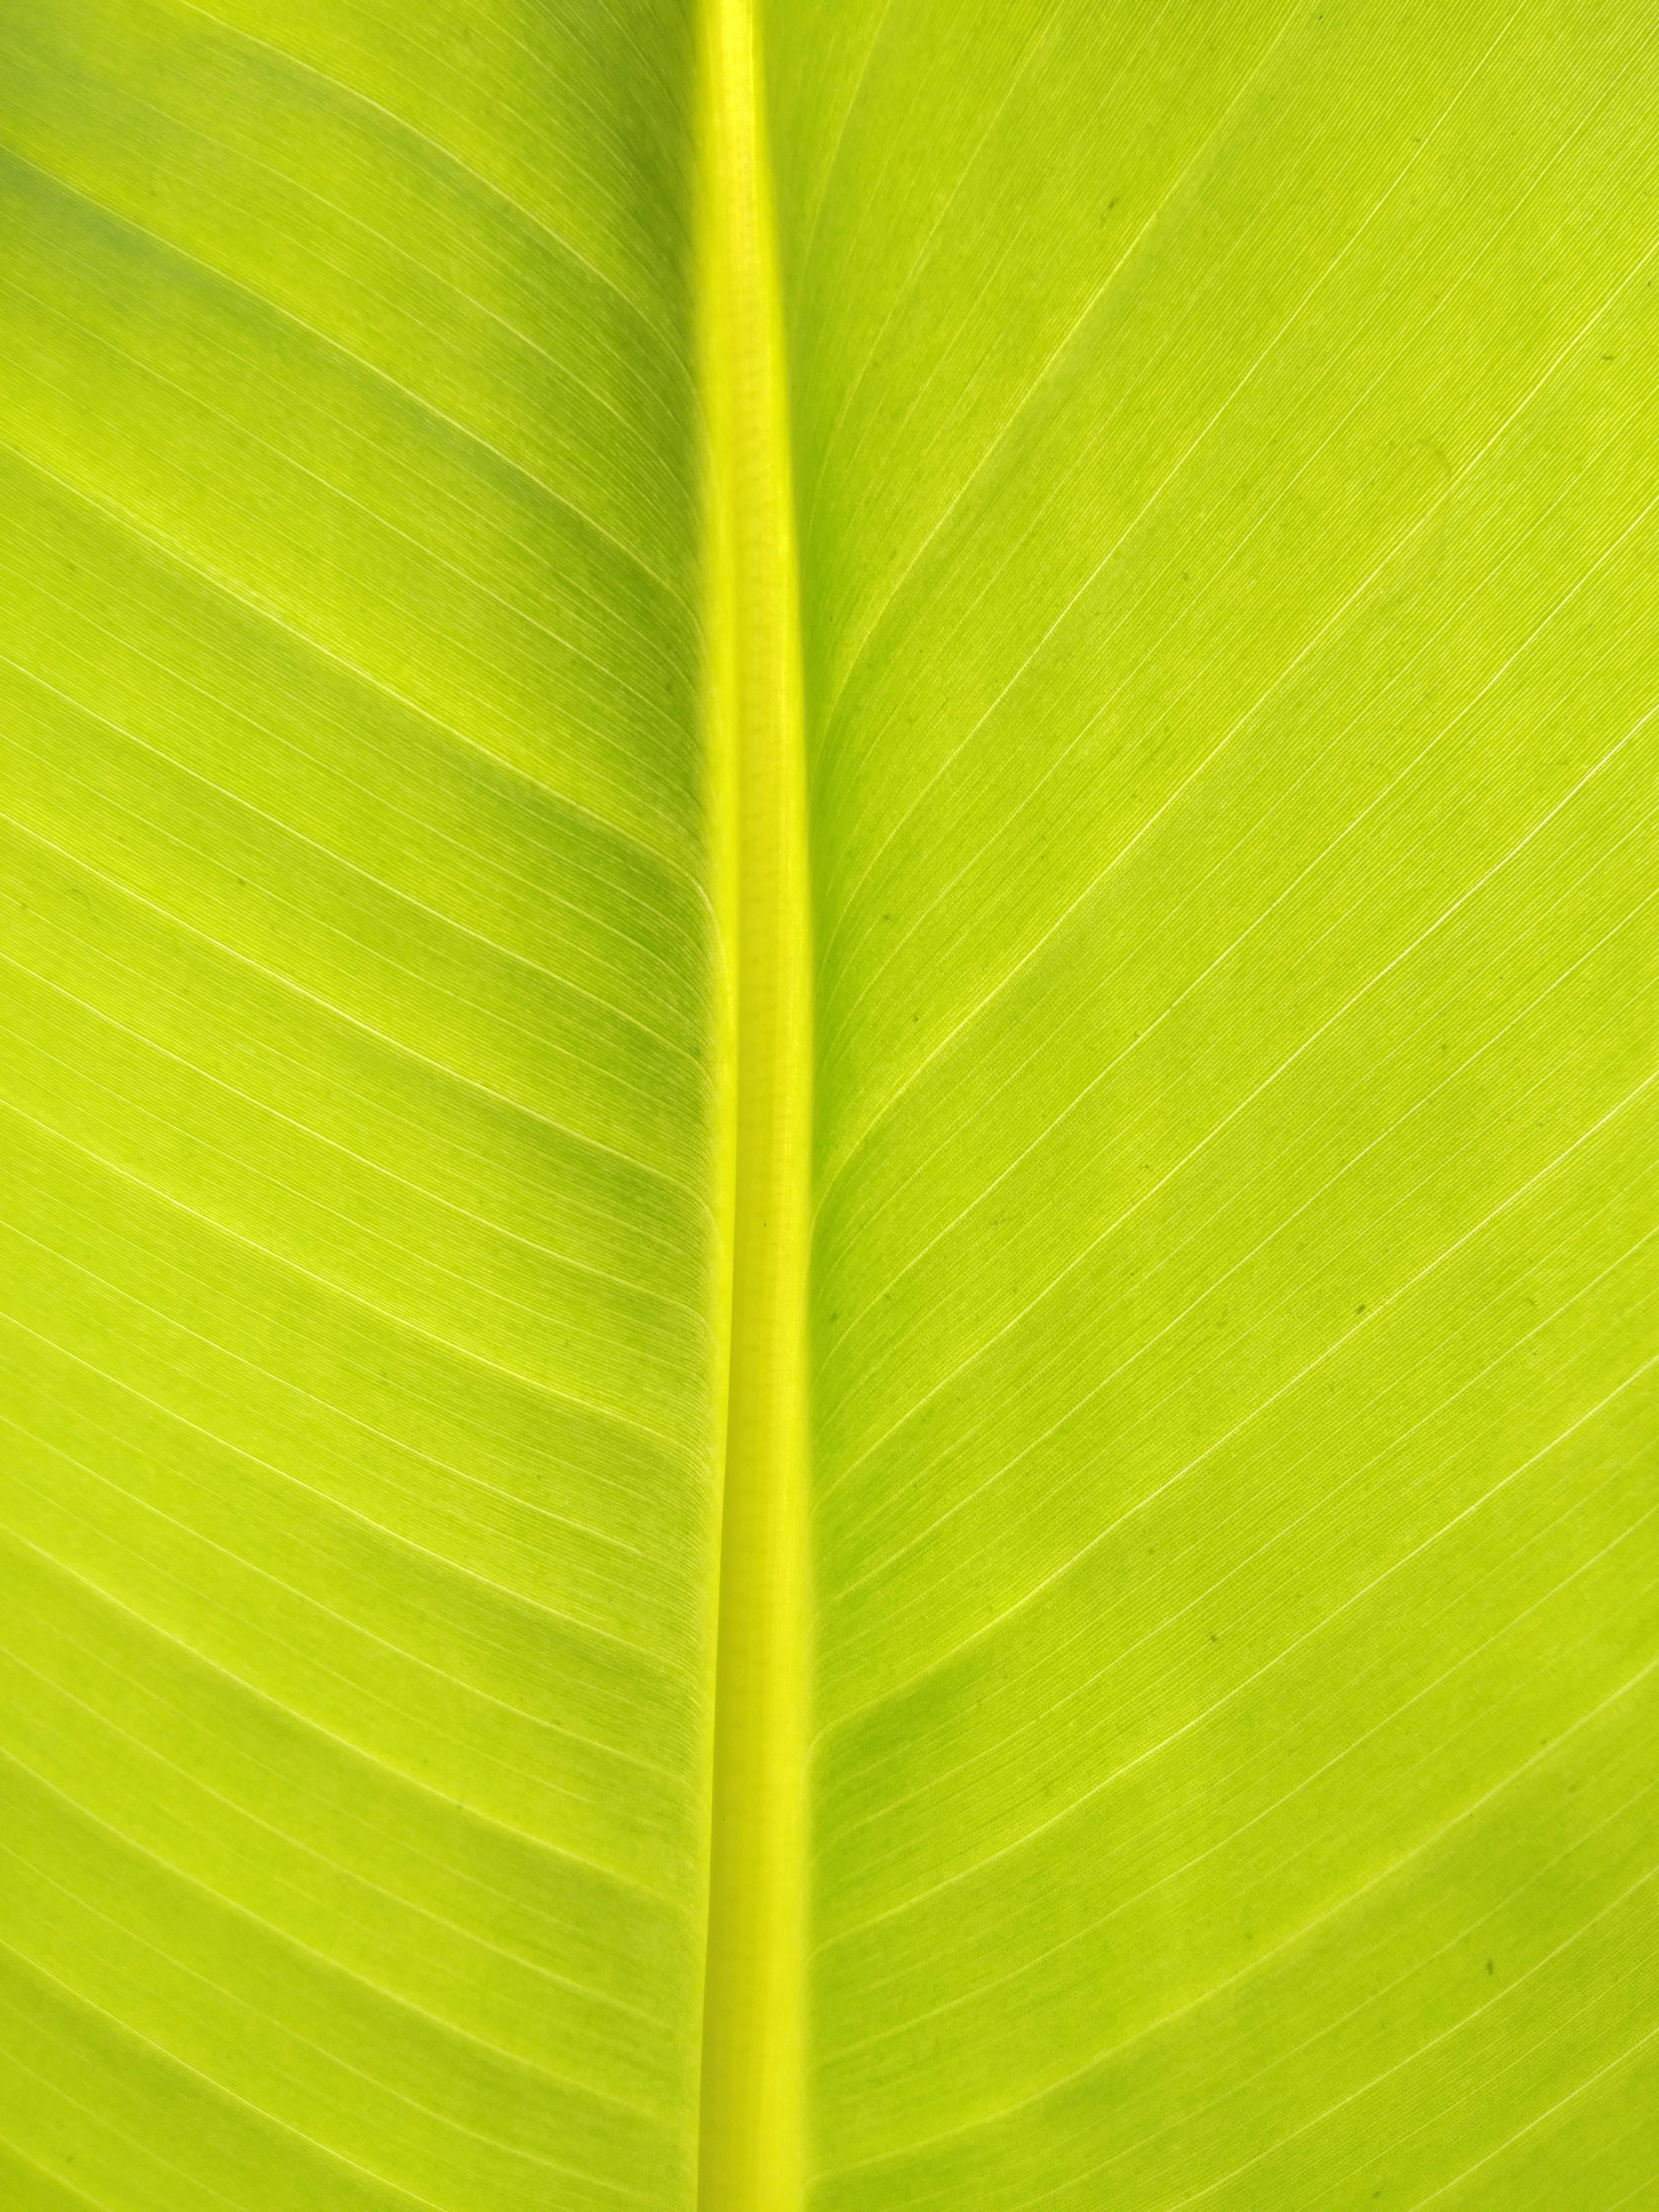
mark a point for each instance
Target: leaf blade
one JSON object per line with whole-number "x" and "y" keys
{"x": 1230, "y": 713}
{"x": 362, "y": 1077}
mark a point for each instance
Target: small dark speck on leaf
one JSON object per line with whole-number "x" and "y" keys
{"x": 1359, "y": 1310}
{"x": 1489, "y": 1965}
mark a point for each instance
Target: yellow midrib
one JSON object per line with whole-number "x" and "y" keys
{"x": 752, "y": 2142}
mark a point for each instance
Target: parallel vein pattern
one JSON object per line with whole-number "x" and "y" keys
{"x": 358, "y": 1072}
{"x": 1042, "y": 819}
{"x": 1230, "y": 521}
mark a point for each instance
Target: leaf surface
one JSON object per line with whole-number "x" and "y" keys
{"x": 1229, "y": 524}
{"x": 1155, "y": 513}
{"x": 361, "y": 1062}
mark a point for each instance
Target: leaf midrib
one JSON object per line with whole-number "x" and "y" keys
{"x": 752, "y": 2138}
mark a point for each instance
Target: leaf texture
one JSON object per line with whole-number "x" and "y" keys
{"x": 361, "y": 1271}
{"x": 1230, "y": 500}
{"x": 1206, "y": 590}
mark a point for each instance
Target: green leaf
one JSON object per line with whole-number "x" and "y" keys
{"x": 360, "y": 1261}
{"x": 829, "y": 1252}
{"x": 1230, "y": 510}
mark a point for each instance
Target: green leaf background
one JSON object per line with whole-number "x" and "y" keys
{"x": 1225, "y": 484}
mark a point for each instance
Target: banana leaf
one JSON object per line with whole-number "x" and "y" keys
{"x": 828, "y": 1106}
